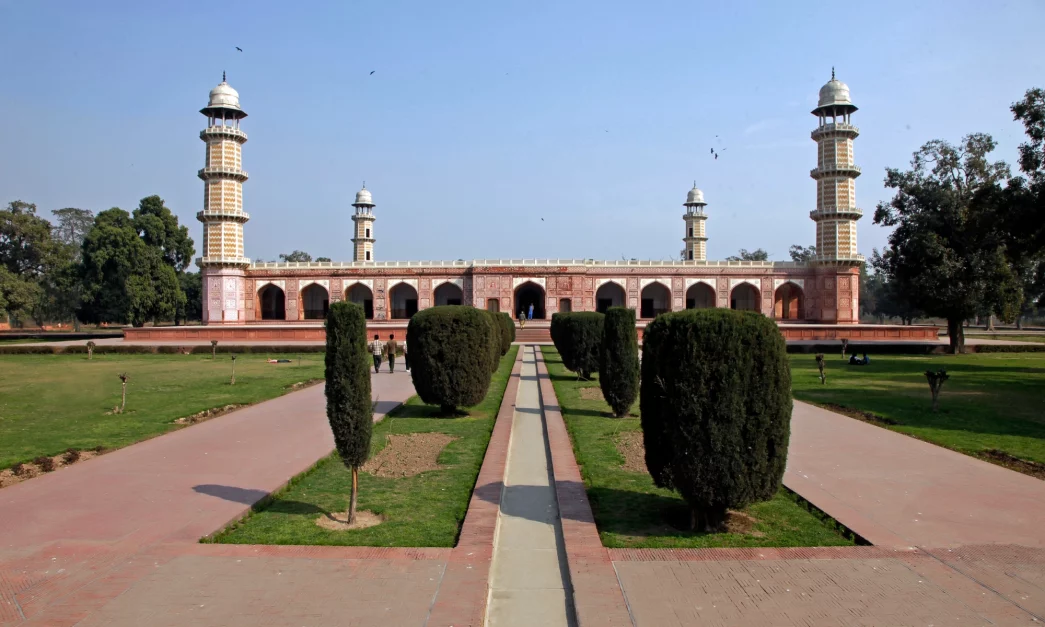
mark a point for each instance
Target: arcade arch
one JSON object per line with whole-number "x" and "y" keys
{"x": 654, "y": 300}
{"x": 788, "y": 302}
{"x": 609, "y": 294}
{"x": 315, "y": 301}
{"x": 529, "y": 293}
{"x": 361, "y": 295}
{"x": 744, "y": 297}
{"x": 448, "y": 294}
{"x": 272, "y": 303}
{"x": 403, "y": 298}
{"x": 700, "y": 296}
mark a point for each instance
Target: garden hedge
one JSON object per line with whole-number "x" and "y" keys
{"x": 494, "y": 324}
{"x": 619, "y": 360}
{"x": 349, "y": 407}
{"x": 450, "y": 355}
{"x": 506, "y": 320}
{"x": 578, "y": 339}
{"x": 716, "y": 409}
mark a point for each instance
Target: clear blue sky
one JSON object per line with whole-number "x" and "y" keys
{"x": 484, "y": 117}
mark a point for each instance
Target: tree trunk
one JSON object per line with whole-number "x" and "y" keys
{"x": 956, "y": 335}
{"x": 990, "y": 322}
{"x": 233, "y": 382}
{"x": 1019, "y": 322}
{"x": 936, "y": 397}
{"x": 352, "y": 499}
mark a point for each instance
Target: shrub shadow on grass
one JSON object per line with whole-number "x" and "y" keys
{"x": 640, "y": 514}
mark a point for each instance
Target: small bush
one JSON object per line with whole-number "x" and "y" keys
{"x": 506, "y": 329}
{"x": 450, "y": 355}
{"x": 23, "y": 349}
{"x": 494, "y": 325}
{"x": 619, "y": 360}
{"x": 45, "y": 464}
{"x": 579, "y": 340}
{"x": 716, "y": 409}
{"x": 71, "y": 456}
{"x": 19, "y": 470}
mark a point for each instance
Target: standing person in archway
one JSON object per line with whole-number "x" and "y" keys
{"x": 529, "y": 314}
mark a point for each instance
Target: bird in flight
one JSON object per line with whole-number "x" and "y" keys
{"x": 542, "y": 219}
{"x": 372, "y": 71}
{"x": 712, "y": 151}
{"x": 238, "y": 48}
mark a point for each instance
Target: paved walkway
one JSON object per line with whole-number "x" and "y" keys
{"x": 529, "y": 577}
{"x": 898, "y": 491}
{"x": 126, "y": 525}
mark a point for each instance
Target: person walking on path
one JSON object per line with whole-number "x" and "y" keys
{"x": 377, "y": 347}
{"x": 522, "y": 318}
{"x": 529, "y": 314}
{"x": 391, "y": 346}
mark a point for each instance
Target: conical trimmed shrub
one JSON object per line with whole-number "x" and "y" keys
{"x": 716, "y": 409}
{"x": 578, "y": 338}
{"x": 450, "y": 355}
{"x": 619, "y": 360}
{"x": 349, "y": 408}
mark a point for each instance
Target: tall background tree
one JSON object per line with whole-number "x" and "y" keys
{"x": 132, "y": 266}
{"x": 71, "y": 226}
{"x": 34, "y": 266}
{"x": 947, "y": 252}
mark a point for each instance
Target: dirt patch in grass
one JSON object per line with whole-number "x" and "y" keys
{"x": 1034, "y": 469}
{"x": 739, "y": 522}
{"x": 859, "y": 414}
{"x": 408, "y": 455}
{"x": 632, "y": 448}
{"x": 28, "y": 470}
{"x": 339, "y": 521}
{"x": 206, "y": 414}
{"x": 591, "y": 393}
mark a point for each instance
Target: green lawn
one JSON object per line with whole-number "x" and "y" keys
{"x": 421, "y": 510}
{"x": 631, "y": 512}
{"x": 49, "y": 403}
{"x": 992, "y": 400}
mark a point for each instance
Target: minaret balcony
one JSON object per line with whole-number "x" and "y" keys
{"x": 695, "y": 238}
{"x": 222, "y": 260}
{"x": 214, "y": 215}
{"x": 695, "y": 215}
{"x": 223, "y": 131}
{"x": 851, "y": 171}
{"x": 837, "y": 128}
{"x": 222, "y": 172}
{"x": 369, "y": 217}
{"x": 839, "y": 260}
{"x": 363, "y": 239}
{"x": 837, "y": 213}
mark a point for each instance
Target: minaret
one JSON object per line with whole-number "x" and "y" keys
{"x": 363, "y": 242}
{"x": 835, "y": 175}
{"x": 222, "y": 214}
{"x": 223, "y": 178}
{"x": 695, "y": 239}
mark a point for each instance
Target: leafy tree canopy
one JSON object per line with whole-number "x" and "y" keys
{"x": 803, "y": 254}
{"x": 297, "y": 255}
{"x": 159, "y": 229}
{"x": 71, "y": 226}
{"x": 947, "y": 251}
{"x": 745, "y": 255}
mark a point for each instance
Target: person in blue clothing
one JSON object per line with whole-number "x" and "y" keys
{"x": 529, "y": 314}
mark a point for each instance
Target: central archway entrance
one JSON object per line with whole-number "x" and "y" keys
{"x": 744, "y": 298}
{"x": 527, "y": 294}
